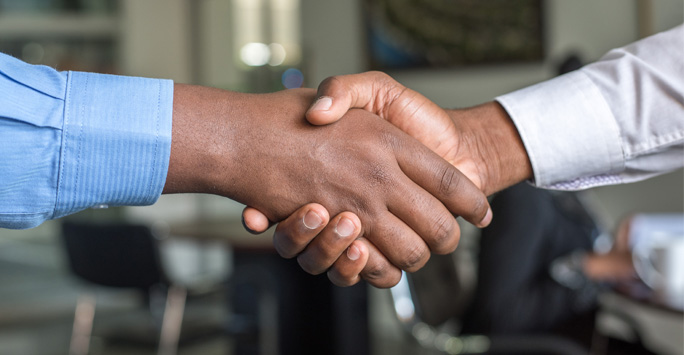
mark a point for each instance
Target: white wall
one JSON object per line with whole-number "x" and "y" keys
{"x": 216, "y": 62}
{"x": 332, "y": 36}
{"x": 666, "y": 14}
{"x": 155, "y": 39}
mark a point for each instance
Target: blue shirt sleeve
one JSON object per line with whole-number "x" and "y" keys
{"x": 73, "y": 140}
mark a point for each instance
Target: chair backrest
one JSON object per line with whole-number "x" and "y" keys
{"x": 437, "y": 290}
{"x": 116, "y": 255}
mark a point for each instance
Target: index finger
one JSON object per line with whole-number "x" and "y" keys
{"x": 441, "y": 179}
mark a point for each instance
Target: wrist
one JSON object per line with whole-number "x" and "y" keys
{"x": 223, "y": 140}
{"x": 201, "y": 139}
{"x": 490, "y": 138}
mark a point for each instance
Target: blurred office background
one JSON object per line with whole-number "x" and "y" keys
{"x": 260, "y": 46}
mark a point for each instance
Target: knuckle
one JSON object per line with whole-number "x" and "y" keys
{"x": 443, "y": 239}
{"x": 329, "y": 84}
{"x": 379, "y": 176}
{"x": 449, "y": 246}
{"x": 382, "y": 77}
{"x": 389, "y": 139}
{"x": 375, "y": 272}
{"x": 415, "y": 259}
{"x": 388, "y": 281}
{"x": 449, "y": 181}
{"x": 480, "y": 207}
{"x": 378, "y": 74}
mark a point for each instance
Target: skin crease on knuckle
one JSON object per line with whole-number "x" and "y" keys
{"x": 375, "y": 271}
{"x": 445, "y": 235}
{"x": 449, "y": 182}
{"x": 480, "y": 208}
{"x": 389, "y": 139}
{"x": 382, "y": 278}
{"x": 379, "y": 273}
{"x": 416, "y": 258}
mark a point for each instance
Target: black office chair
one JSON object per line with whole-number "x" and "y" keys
{"x": 116, "y": 255}
{"x": 121, "y": 256}
{"x": 440, "y": 309}
{"x": 423, "y": 310}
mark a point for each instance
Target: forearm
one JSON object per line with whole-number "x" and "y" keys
{"x": 490, "y": 138}
{"x": 210, "y": 138}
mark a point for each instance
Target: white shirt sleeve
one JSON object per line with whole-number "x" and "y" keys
{"x": 617, "y": 120}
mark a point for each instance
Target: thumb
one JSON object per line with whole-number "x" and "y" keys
{"x": 338, "y": 94}
{"x": 254, "y": 221}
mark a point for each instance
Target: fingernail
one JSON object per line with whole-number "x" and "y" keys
{"x": 312, "y": 220}
{"x": 345, "y": 227}
{"x": 487, "y": 219}
{"x": 353, "y": 253}
{"x": 322, "y": 104}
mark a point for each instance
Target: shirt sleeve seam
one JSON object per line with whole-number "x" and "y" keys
{"x": 616, "y": 128}
{"x": 80, "y": 134}
{"x": 156, "y": 142}
{"x": 62, "y": 153}
{"x": 660, "y": 142}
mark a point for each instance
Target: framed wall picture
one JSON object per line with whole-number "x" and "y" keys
{"x": 448, "y": 33}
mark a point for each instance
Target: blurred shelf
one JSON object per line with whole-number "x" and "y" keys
{"x": 21, "y": 26}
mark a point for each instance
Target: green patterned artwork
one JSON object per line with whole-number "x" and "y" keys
{"x": 444, "y": 33}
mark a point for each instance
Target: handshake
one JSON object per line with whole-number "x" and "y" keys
{"x": 365, "y": 182}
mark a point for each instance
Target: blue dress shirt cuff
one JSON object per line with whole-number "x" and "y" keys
{"x": 116, "y": 141}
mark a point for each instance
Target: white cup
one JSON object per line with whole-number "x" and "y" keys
{"x": 660, "y": 264}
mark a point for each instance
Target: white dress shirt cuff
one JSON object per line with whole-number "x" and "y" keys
{"x": 569, "y": 132}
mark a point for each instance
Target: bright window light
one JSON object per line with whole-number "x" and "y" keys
{"x": 255, "y": 54}
{"x": 278, "y": 54}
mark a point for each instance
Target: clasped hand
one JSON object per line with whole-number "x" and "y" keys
{"x": 399, "y": 224}
{"x": 387, "y": 191}
{"x": 403, "y": 194}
